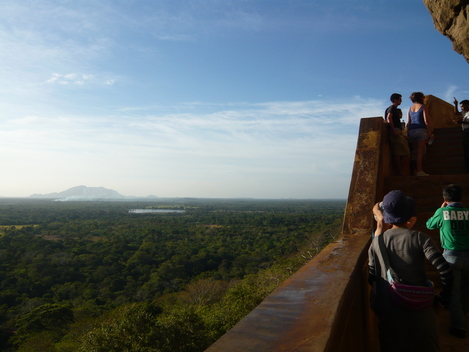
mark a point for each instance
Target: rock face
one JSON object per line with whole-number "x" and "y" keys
{"x": 451, "y": 19}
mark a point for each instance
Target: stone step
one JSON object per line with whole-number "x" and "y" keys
{"x": 427, "y": 193}
{"x": 445, "y": 155}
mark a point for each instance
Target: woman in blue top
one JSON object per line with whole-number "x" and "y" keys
{"x": 418, "y": 129}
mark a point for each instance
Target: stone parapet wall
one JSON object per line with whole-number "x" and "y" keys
{"x": 441, "y": 113}
{"x": 324, "y": 306}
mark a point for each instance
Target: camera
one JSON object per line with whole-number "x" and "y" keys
{"x": 380, "y": 206}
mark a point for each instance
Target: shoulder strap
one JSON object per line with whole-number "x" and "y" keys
{"x": 382, "y": 248}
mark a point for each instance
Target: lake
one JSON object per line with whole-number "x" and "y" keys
{"x": 145, "y": 211}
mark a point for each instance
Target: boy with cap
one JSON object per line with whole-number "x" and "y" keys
{"x": 406, "y": 249}
{"x": 452, "y": 218}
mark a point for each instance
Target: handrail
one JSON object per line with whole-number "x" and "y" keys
{"x": 324, "y": 306}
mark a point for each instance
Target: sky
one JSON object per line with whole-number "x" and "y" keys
{"x": 206, "y": 98}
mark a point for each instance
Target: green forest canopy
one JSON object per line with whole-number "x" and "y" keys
{"x": 189, "y": 275}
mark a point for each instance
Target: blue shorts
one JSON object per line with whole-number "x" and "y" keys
{"x": 417, "y": 135}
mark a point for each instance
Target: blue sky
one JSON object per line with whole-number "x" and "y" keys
{"x": 206, "y": 98}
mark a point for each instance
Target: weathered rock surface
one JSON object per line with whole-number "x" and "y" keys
{"x": 451, "y": 19}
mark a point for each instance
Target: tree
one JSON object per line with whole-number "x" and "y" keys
{"x": 53, "y": 318}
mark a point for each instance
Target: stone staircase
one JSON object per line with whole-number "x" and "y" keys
{"x": 445, "y": 156}
{"x": 444, "y": 161}
{"x": 427, "y": 192}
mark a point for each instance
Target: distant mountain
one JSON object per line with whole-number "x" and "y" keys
{"x": 82, "y": 193}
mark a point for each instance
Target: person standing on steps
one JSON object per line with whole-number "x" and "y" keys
{"x": 419, "y": 129}
{"x": 463, "y": 119}
{"x": 452, "y": 218}
{"x": 402, "y": 329}
{"x": 399, "y": 144}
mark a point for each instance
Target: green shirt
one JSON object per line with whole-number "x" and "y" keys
{"x": 453, "y": 222}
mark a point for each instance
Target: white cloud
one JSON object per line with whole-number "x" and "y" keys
{"x": 78, "y": 79}
{"x": 450, "y": 93}
{"x": 55, "y": 77}
{"x": 289, "y": 141}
